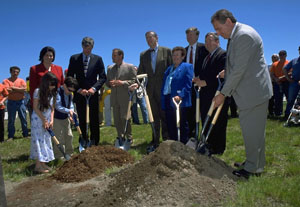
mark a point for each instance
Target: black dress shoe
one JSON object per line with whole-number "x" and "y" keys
{"x": 151, "y": 149}
{"x": 244, "y": 173}
{"x": 238, "y": 164}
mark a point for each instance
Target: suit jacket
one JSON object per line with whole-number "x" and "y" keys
{"x": 180, "y": 86}
{"x": 201, "y": 53}
{"x": 126, "y": 72}
{"x": 38, "y": 71}
{"x": 247, "y": 78}
{"x": 163, "y": 61}
{"x": 210, "y": 71}
{"x": 96, "y": 72}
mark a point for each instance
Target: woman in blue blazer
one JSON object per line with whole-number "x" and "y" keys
{"x": 177, "y": 83}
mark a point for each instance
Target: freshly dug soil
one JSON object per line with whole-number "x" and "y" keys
{"x": 173, "y": 175}
{"x": 91, "y": 163}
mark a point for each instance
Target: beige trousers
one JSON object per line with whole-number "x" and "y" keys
{"x": 63, "y": 132}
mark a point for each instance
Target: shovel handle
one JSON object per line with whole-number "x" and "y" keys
{"x": 149, "y": 109}
{"x": 217, "y": 114}
{"x": 211, "y": 109}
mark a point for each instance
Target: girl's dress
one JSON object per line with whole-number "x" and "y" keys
{"x": 41, "y": 145}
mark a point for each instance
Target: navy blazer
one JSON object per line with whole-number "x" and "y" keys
{"x": 180, "y": 86}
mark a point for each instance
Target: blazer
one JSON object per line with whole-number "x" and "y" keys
{"x": 200, "y": 55}
{"x": 211, "y": 69}
{"x": 163, "y": 61}
{"x": 38, "y": 71}
{"x": 96, "y": 76}
{"x": 247, "y": 77}
{"x": 180, "y": 86}
{"x": 127, "y": 73}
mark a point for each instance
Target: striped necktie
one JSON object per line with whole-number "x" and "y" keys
{"x": 85, "y": 65}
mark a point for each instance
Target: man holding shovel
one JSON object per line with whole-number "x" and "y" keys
{"x": 246, "y": 79}
{"x": 119, "y": 77}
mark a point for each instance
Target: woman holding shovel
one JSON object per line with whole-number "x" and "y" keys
{"x": 42, "y": 119}
{"x": 176, "y": 88}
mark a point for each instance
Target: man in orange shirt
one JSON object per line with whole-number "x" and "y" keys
{"x": 16, "y": 88}
{"x": 281, "y": 85}
{"x": 3, "y": 97}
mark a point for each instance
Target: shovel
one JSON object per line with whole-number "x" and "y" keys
{"x": 87, "y": 141}
{"x": 82, "y": 141}
{"x": 122, "y": 142}
{"x": 177, "y": 118}
{"x": 151, "y": 120}
{"x": 59, "y": 146}
{"x": 193, "y": 141}
{"x": 202, "y": 147}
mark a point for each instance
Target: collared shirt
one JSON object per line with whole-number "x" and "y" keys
{"x": 84, "y": 56}
{"x": 194, "y": 53}
{"x": 59, "y": 107}
{"x": 153, "y": 57}
{"x": 233, "y": 30}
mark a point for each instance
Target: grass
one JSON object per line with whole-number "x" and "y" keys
{"x": 278, "y": 186}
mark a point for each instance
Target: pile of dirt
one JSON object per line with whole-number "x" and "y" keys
{"x": 91, "y": 163}
{"x": 173, "y": 175}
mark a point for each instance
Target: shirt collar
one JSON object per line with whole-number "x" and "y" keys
{"x": 233, "y": 30}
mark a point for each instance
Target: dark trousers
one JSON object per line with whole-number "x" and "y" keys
{"x": 279, "y": 91}
{"x": 2, "y": 111}
{"x": 217, "y": 137}
{"x": 171, "y": 122}
{"x": 93, "y": 115}
{"x": 159, "y": 119}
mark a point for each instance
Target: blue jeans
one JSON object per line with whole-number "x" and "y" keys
{"x": 12, "y": 108}
{"x": 135, "y": 116}
{"x": 293, "y": 92}
{"x": 279, "y": 91}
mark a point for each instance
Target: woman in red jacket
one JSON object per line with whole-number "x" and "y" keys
{"x": 47, "y": 56}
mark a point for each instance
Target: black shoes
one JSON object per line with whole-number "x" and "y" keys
{"x": 244, "y": 173}
{"x": 238, "y": 164}
{"x": 151, "y": 148}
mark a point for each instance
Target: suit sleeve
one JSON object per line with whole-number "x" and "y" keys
{"x": 141, "y": 69}
{"x": 101, "y": 73}
{"x": 242, "y": 50}
{"x": 211, "y": 81}
{"x": 71, "y": 68}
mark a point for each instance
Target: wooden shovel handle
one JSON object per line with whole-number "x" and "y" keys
{"x": 149, "y": 109}
{"x": 217, "y": 114}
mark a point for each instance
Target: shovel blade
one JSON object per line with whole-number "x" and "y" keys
{"x": 127, "y": 144}
{"x": 202, "y": 149}
{"x": 119, "y": 142}
{"x": 192, "y": 143}
{"x": 82, "y": 144}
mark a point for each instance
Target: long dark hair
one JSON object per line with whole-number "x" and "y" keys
{"x": 45, "y": 94}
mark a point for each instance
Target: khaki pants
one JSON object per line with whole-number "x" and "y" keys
{"x": 63, "y": 132}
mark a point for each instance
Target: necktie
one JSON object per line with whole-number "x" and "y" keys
{"x": 228, "y": 42}
{"x": 191, "y": 55}
{"x": 85, "y": 65}
{"x": 207, "y": 58}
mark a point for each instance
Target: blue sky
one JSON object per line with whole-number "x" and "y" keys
{"x": 26, "y": 26}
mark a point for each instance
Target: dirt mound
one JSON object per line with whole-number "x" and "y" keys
{"x": 91, "y": 163}
{"x": 174, "y": 175}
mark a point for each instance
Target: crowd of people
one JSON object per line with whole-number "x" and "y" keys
{"x": 172, "y": 79}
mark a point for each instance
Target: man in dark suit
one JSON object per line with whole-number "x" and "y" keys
{"x": 154, "y": 62}
{"x": 89, "y": 71}
{"x": 247, "y": 79}
{"x": 213, "y": 64}
{"x": 196, "y": 53}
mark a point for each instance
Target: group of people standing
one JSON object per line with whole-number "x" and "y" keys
{"x": 171, "y": 78}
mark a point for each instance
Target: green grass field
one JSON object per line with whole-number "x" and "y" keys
{"x": 278, "y": 186}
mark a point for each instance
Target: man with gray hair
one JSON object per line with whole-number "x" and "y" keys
{"x": 247, "y": 79}
{"x": 89, "y": 71}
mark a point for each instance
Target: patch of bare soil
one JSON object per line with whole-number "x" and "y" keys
{"x": 173, "y": 175}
